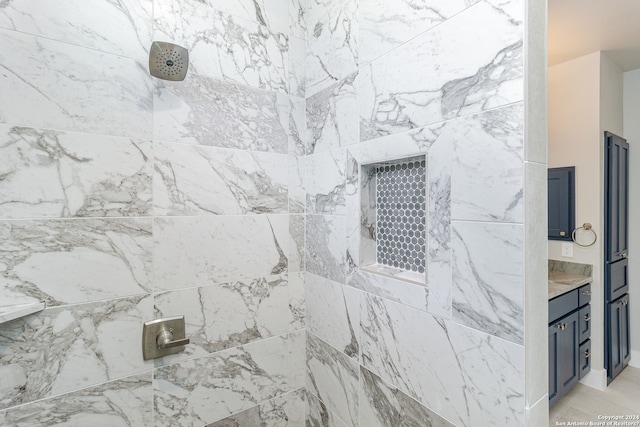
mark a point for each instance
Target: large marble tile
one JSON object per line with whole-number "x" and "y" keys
{"x": 55, "y": 85}
{"x": 283, "y": 411}
{"x": 473, "y": 370}
{"x": 75, "y": 260}
{"x": 226, "y": 315}
{"x": 269, "y": 13}
{"x": 333, "y": 313}
{"x": 121, "y": 28}
{"x": 123, "y": 403}
{"x": 332, "y": 51}
{"x": 333, "y": 377}
{"x": 297, "y": 126}
{"x": 383, "y": 25}
{"x": 325, "y": 182}
{"x": 488, "y": 165}
{"x": 325, "y": 250}
{"x": 318, "y": 415}
{"x": 466, "y": 66}
{"x": 296, "y": 243}
{"x": 205, "y": 111}
{"x": 382, "y": 405}
{"x": 208, "y": 389}
{"x": 56, "y": 174}
{"x": 226, "y": 47}
{"x": 67, "y": 348}
{"x": 332, "y": 116}
{"x": 488, "y": 290}
{"x": 199, "y": 251}
{"x": 297, "y": 302}
{"x": 197, "y": 180}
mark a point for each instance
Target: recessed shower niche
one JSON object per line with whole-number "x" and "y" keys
{"x": 393, "y": 218}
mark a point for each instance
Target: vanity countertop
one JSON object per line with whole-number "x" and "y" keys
{"x": 561, "y": 282}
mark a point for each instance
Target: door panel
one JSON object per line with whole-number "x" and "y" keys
{"x": 617, "y": 195}
{"x": 617, "y": 280}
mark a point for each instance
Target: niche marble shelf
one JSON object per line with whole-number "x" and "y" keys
{"x": 12, "y": 312}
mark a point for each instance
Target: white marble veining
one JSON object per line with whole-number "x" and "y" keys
{"x": 488, "y": 165}
{"x": 71, "y": 347}
{"x": 269, "y": 13}
{"x": 332, "y": 51}
{"x": 383, "y": 25}
{"x": 333, "y": 377}
{"x": 466, "y": 66}
{"x": 325, "y": 182}
{"x": 223, "y": 46}
{"x": 197, "y": 180}
{"x": 325, "y": 250}
{"x": 121, "y": 27}
{"x": 297, "y": 18}
{"x": 204, "y": 390}
{"x": 296, "y": 242}
{"x": 382, "y": 405}
{"x": 126, "y": 402}
{"x": 297, "y": 126}
{"x": 318, "y": 415}
{"x": 297, "y": 67}
{"x": 206, "y": 111}
{"x": 198, "y": 251}
{"x": 48, "y": 173}
{"x": 297, "y": 302}
{"x": 226, "y": 315}
{"x": 287, "y": 410}
{"x": 473, "y": 370}
{"x": 74, "y": 260}
{"x": 61, "y": 92}
{"x": 332, "y": 116}
{"x": 333, "y": 313}
{"x": 488, "y": 291}
{"x": 297, "y": 184}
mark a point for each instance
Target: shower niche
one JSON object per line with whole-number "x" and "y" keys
{"x": 393, "y": 218}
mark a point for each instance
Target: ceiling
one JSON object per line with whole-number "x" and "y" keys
{"x": 581, "y": 27}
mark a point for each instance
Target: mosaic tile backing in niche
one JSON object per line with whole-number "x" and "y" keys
{"x": 400, "y": 214}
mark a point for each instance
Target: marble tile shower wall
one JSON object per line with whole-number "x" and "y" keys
{"x": 125, "y": 199}
{"x": 390, "y": 80}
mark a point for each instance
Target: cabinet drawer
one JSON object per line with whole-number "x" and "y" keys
{"x": 563, "y": 305}
{"x": 585, "y": 323}
{"x": 584, "y": 294}
{"x": 585, "y": 358}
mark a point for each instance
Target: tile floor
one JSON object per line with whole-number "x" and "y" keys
{"x": 586, "y": 404}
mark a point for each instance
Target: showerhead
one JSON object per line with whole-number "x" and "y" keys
{"x": 168, "y": 61}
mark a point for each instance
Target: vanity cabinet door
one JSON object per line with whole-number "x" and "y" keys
{"x": 564, "y": 357}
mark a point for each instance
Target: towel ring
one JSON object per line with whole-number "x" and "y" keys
{"x": 586, "y": 226}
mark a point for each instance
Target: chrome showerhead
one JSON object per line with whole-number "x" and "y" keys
{"x": 168, "y": 61}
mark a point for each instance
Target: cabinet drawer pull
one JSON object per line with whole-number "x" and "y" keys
{"x": 586, "y": 318}
{"x": 586, "y": 293}
{"x": 624, "y": 302}
{"x": 561, "y": 326}
{"x": 587, "y": 354}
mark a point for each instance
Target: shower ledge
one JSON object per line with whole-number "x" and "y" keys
{"x": 11, "y": 312}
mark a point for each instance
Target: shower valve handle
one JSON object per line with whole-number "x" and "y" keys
{"x": 165, "y": 340}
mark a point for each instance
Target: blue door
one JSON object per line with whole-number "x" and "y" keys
{"x": 616, "y": 241}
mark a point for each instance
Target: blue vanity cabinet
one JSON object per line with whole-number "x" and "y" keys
{"x": 569, "y": 343}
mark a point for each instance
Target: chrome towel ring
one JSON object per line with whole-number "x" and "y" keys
{"x": 588, "y": 227}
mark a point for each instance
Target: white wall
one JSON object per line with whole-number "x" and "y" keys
{"x": 574, "y": 140}
{"x": 632, "y": 134}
